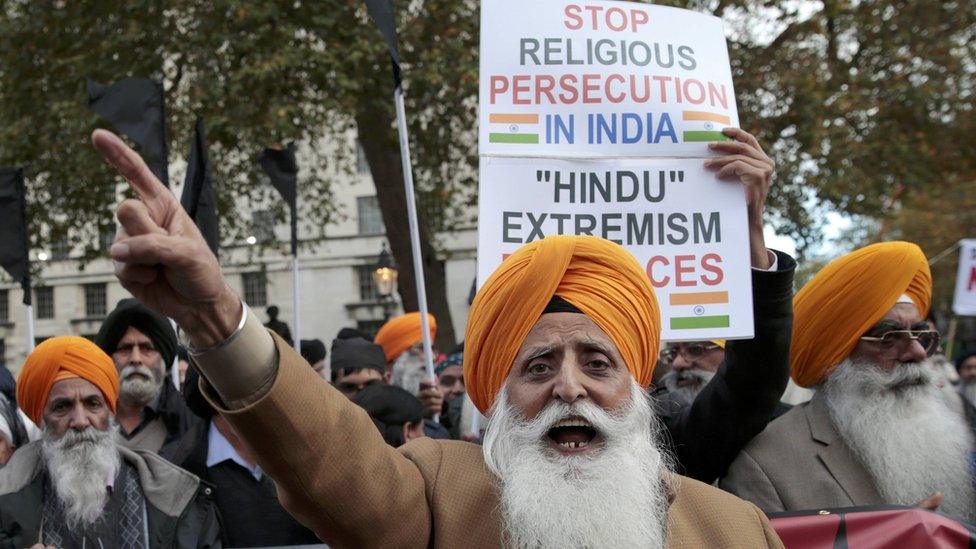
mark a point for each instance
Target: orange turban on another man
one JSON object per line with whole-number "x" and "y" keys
{"x": 59, "y": 358}
{"x": 847, "y": 298}
{"x": 402, "y": 332}
{"x": 598, "y": 277}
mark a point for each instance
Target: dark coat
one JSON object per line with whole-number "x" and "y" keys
{"x": 743, "y": 397}
{"x": 178, "y": 505}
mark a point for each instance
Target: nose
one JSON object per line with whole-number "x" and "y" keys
{"x": 569, "y": 385}
{"x": 913, "y": 352}
{"x": 680, "y": 362}
{"x": 79, "y": 420}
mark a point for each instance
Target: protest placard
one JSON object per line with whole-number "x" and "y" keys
{"x": 687, "y": 229}
{"x": 964, "y": 302}
{"x": 576, "y": 79}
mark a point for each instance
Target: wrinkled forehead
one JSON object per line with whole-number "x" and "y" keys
{"x": 902, "y": 316}
{"x": 74, "y": 388}
{"x": 132, "y": 335}
{"x": 561, "y": 330}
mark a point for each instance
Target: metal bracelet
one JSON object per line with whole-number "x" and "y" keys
{"x": 240, "y": 327}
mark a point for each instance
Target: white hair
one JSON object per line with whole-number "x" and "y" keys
{"x": 79, "y": 465}
{"x": 686, "y": 393}
{"x": 901, "y": 428}
{"x": 612, "y": 496}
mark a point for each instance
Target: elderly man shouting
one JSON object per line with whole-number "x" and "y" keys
{"x": 878, "y": 429}
{"x": 561, "y": 343}
{"x": 77, "y": 487}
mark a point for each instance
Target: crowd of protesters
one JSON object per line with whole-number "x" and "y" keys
{"x": 103, "y": 445}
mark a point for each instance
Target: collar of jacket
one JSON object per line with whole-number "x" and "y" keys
{"x": 165, "y": 486}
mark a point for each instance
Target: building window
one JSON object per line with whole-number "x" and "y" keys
{"x": 44, "y": 302}
{"x": 367, "y": 286}
{"x": 95, "y": 300}
{"x": 369, "y": 327}
{"x": 255, "y": 289}
{"x": 61, "y": 248}
{"x": 370, "y": 217}
{"x": 362, "y": 165}
{"x": 4, "y": 305}
{"x": 262, "y": 225}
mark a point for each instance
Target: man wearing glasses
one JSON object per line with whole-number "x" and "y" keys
{"x": 878, "y": 430}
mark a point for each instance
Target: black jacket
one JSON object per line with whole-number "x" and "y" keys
{"x": 743, "y": 397}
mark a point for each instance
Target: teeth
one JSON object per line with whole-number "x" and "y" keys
{"x": 574, "y": 444}
{"x": 573, "y": 422}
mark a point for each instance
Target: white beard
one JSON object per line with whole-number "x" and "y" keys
{"x": 613, "y": 497}
{"x": 136, "y": 390}
{"x": 687, "y": 393}
{"x": 909, "y": 439}
{"x": 79, "y": 465}
{"x": 408, "y": 371}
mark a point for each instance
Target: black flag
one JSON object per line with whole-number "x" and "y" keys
{"x": 381, "y": 11}
{"x": 13, "y": 228}
{"x": 136, "y": 107}
{"x": 281, "y": 167}
{"x": 198, "y": 194}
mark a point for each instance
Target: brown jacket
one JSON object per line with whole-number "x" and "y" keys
{"x": 336, "y": 475}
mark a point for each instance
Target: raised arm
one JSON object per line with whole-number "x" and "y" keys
{"x": 332, "y": 468}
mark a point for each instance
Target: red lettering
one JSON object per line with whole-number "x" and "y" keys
{"x": 593, "y": 11}
{"x": 972, "y": 280}
{"x": 680, "y": 269}
{"x": 520, "y": 84}
{"x": 691, "y": 85}
{"x": 573, "y": 14}
{"x": 609, "y": 93}
{"x": 497, "y": 84}
{"x": 568, "y": 84}
{"x": 623, "y": 19}
{"x": 650, "y": 271}
{"x": 591, "y": 83}
{"x": 638, "y": 18}
{"x": 710, "y": 263}
{"x": 544, "y": 85}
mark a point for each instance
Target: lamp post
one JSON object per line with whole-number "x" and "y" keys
{"x": 385, "y": 276}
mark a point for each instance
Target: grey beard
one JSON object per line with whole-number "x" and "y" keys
{"x": 79, "y": 465}
{"x": 136, "y": 390}
{"x": 613, "y": 497}
{"x": 408, "y": 371}
{"x": 687, "y": 393}
{"x": 907, "y": 437}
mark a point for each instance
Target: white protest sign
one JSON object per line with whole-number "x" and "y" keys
{"x": 964, "y": 302}
{"x": 687, "y": 229}
{"x": 584, "y": 79}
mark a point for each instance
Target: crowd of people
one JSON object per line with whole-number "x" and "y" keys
{"x": 593, "y": 434}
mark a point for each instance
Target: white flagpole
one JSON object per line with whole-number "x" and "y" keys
{"x": 296, "y": 333}
{"x": 30, "y": 329}
{"x": 418, "y": 266}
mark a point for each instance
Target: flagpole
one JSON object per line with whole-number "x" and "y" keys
{"x": 418, "y": 266}
{"x": 30, "y": 329}
{"x": 295, "y": 301}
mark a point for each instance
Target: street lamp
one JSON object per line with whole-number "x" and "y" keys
{"x": 385, "y": 276}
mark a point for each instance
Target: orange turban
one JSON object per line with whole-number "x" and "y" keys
{"x": 400, "y": 333}
{"x": 847, "y": 298}
{"x": 598, "y": 277}
{"x": 61, "y": 358}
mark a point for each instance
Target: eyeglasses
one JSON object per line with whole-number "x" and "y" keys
{"x": 694, "y": 350}
{"x": 927, "y": 339}
{"x": 349, "y": 388}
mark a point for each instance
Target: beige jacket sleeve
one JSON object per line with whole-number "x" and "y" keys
{"x": 333, "y": 470}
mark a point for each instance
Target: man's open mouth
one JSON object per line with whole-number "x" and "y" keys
{"x": 572, "y": 433}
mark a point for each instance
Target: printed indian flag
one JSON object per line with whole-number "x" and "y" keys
{"x": 704, "y": 126}
{"x": 697, "y": 310}
{"x": 513, "y": 128}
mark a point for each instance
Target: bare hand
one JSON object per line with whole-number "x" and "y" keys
{"x": 746, "y": 162}
{"x": 932, "y": 502}
{"x": 431, "y": 397}
{"x": 160, "y": 256}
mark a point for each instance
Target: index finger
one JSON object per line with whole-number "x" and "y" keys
{"x": 741, "y": 135}
{"x": 132, "y": 167}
